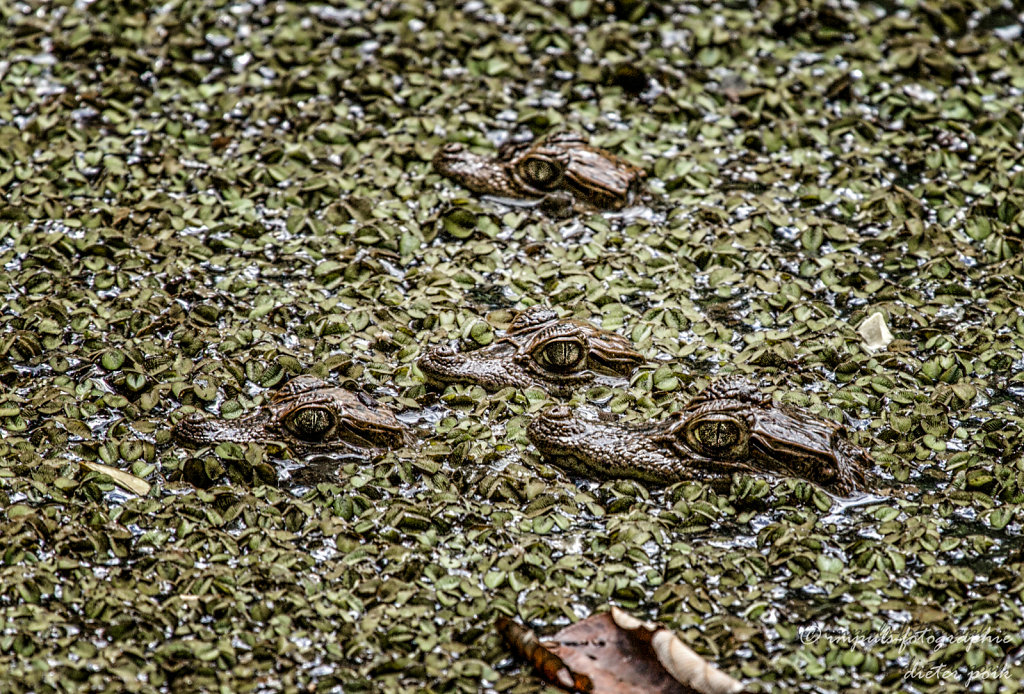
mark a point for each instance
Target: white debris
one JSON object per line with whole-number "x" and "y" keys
{"x": 875, "y": 332}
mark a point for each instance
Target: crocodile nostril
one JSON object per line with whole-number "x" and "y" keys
{"x": 558, "y": 412}
{"x": 452, "y": 148}
{"x": 442, "y": 353}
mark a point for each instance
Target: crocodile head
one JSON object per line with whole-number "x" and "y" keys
{"x": 729, "y": 427}
{"x": 308, "y": 415}
{"x": 560, "y": 164}
{"x": 540, "y": 350}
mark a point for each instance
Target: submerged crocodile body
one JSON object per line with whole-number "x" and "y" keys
{"x": 729, "y": 427}
{"x": 561, "y": 170}
{"x": 539, "y": 350}
{"x": 308, "y": 415}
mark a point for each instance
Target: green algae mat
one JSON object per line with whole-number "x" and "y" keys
{"x": 199, "y": 200}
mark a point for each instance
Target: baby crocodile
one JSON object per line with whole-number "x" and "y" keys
{"x": 561, "y": 170}
{"x": 538, "y": 349}
{"x": 309, "y": 415}
{"x": 728, "y": 427}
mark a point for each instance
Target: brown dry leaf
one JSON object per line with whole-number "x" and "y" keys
{"x": 615, "y": 653}
{"x": 525, "y": 646}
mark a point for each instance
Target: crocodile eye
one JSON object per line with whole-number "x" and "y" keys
{"x": 540, "y": 172}
{"x": 562, "y": 355}
{"x": 715, "y": 436}
{"x": 311, "y": 423}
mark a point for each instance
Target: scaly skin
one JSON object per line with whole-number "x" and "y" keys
{"x": 538, "y": 350}
{"x": 730, "y": 427}
{"x": 558, "y": 166}
{"x": 308, "y": 415}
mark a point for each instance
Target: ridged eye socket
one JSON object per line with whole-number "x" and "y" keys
{"x": 311, "y": 423}
{"x": 531, "y": 318}
{"x": 540, "y": 172}
{"x": 716, "y": 435}
{"x": 561, "y": 355}
{"x": 299, "y": 384}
